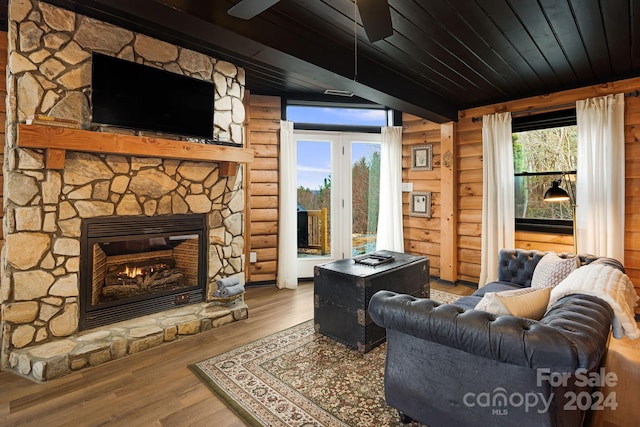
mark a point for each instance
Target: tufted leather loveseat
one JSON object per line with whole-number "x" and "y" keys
{"x": 452, "y": 365}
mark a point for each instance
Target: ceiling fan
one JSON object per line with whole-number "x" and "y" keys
{"x": 375, "y": 14}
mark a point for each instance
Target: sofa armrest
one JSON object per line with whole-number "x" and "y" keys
{"x": 565, "y": 344}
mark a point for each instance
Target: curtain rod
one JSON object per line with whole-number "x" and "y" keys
{"x": 635, "y": 94}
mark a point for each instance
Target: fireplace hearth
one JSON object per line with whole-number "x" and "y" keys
{"x": 136, "y": 266}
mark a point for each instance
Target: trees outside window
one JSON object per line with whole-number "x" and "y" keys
{"x": 365, "y": 191}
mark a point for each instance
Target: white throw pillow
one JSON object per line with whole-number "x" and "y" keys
{"x": 552, "y": 269}
{"x": 526, "y": 302}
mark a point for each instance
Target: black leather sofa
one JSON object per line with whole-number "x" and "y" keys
{"x": 451, "y": 365}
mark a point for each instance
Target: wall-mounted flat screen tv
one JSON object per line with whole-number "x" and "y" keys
{"x": 131, "y": 95}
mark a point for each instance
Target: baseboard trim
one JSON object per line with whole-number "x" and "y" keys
{"x": 260, "y": 283}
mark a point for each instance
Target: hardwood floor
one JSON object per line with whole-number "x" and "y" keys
{"x": 155, "y": 387}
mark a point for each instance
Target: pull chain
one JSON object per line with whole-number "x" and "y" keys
{"x": 355, "y": 40}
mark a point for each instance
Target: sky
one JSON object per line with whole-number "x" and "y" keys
{"x": 314, "y": 160}
{"x": 314, "y": 163}
{"x": 314, "y": 157}
{"x": 337, "y": 116}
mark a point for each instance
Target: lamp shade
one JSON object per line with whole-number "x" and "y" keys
{"x": 556, "y": 193}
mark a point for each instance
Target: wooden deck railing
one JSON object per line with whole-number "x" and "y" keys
{"x": 318, "y": 226}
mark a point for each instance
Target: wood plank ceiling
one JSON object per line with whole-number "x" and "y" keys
{"x": 444, "y": 55}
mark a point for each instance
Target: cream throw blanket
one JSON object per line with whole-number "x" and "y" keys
{"x": 609, "y": 284}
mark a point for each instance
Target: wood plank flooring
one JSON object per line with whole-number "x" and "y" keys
{"x": 155, "y": 387}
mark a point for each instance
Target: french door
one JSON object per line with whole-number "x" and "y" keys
{"x": 338, "y": 181}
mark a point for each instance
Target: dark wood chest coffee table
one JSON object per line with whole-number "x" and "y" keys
{"x": 342, "y": 290}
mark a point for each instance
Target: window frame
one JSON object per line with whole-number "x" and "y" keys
{"x": 545, "y": 120}
{"x": 393, "y": 117}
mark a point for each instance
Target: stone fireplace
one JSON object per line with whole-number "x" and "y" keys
{"x": 71, "y": 253}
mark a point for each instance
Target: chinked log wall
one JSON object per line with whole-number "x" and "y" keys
{"x": 422, "y": 235}
{"x": 263, "y": 136}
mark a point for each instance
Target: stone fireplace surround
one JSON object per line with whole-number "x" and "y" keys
{"x": 49, "y": 73}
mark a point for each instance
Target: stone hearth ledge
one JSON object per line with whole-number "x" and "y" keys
{"x": 94, "y": 347}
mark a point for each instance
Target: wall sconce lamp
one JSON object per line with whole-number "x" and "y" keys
{"x": 559, "y": 194}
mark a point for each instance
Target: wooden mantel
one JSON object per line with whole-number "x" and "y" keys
{"x": 56, "y": 140}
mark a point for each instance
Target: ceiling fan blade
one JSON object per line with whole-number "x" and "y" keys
{"x": 247, "y": 9}
{"x": 376, "y": 18}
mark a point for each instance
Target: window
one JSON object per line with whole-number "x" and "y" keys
{"x": 338, "y": 178}
{"x": 337, "y": 116}
{"x": 309, "y": 115}
{"x": 544, "y": 150}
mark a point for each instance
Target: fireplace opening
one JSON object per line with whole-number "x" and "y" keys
{"x": 137, "y": 266}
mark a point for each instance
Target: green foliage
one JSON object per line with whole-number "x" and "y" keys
{"x": 374, "y": 192}
{"x": 518, "y": 155}
{"x": 365, "y": 190}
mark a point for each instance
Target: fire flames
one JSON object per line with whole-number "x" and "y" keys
{"x": 133, "y": 272}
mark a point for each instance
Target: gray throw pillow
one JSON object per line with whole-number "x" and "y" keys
{"x": 552, "y": 269}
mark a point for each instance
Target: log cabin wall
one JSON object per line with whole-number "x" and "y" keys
{"x": 263, "y": 136}
{"x": 422, "y": 235}
{"x": 452, "y": 236}
{"x": 468, "y": 175}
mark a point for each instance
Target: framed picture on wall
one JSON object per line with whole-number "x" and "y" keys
{"x": 422, "y": 157}
{"x": 420, "y": 204}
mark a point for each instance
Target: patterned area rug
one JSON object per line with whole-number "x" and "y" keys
{"x": 299, "y": 378}
{"x": 443, "y": 297}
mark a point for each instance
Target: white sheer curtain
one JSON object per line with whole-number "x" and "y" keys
{"x": 390, "y": 235}
{"x": 600, "y": 176}
{"x": 287, "y": 241}
{"x": 498, "y": 210}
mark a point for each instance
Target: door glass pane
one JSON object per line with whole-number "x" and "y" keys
{"x": 314, "y": 198}
{"x": 365, "y": 191}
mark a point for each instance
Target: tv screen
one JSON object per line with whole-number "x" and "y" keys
{"x": 131, "y": 95}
